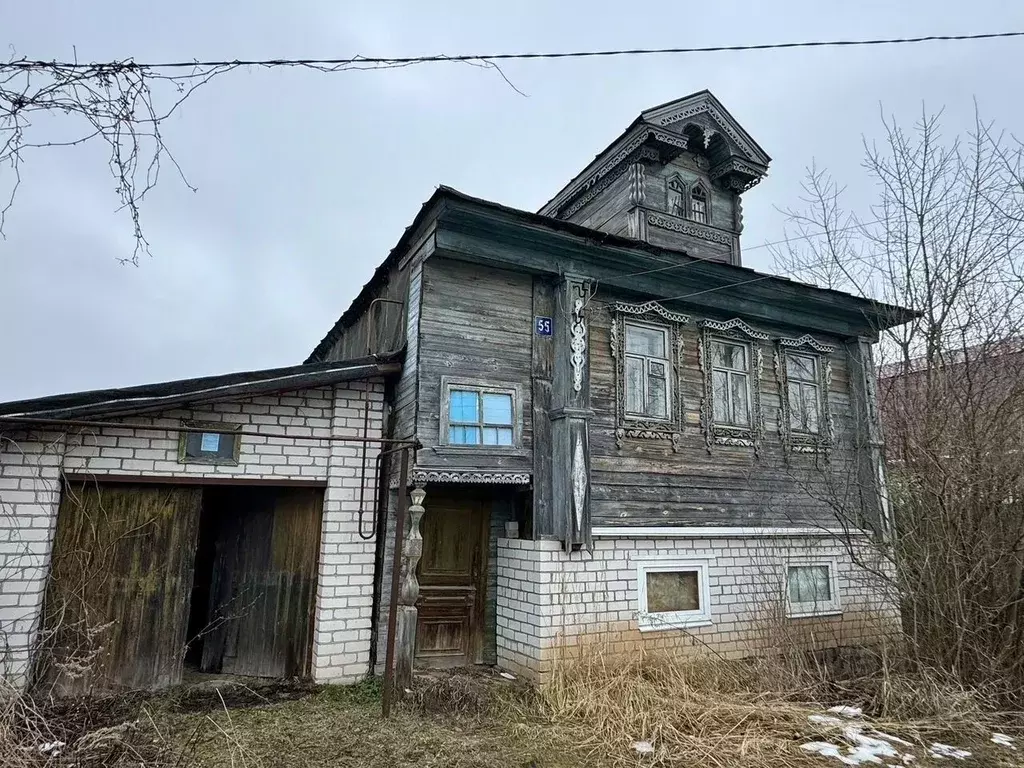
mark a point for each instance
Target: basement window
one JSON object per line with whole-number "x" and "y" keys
{"x": 673, "y": 594}
{"x": 213, "y": 445}
{"x": 812, "y": 589}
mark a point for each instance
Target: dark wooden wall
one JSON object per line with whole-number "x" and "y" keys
{"x": 646, "y": 482}
{"x": 476, "y": 323}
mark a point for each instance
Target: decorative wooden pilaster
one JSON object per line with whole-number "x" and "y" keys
{"x": 409, "y": 593}
{"x": 869, "y": 449}
{"x": 570, "y": 416}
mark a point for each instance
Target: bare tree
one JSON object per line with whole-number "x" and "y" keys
{"x": 945, "y": 236}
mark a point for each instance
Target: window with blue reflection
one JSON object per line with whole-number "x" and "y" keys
{"x": 477, "y": 417}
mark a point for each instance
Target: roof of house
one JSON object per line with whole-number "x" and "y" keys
{"x": 169, "y": 394}
{"x": 701, "y": 103}
{"x": 449, "y": 204}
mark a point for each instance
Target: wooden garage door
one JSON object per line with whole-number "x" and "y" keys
{"x": 263, "y": 586}
{"x": 116, "y": 607}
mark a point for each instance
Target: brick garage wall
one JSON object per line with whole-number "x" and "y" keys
{"x": 292, "y": 445}
{"x": 550, "y": 602}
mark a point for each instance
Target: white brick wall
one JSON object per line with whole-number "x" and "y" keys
{"x": 550, "y": 602}
{"x": 31, "y": 464}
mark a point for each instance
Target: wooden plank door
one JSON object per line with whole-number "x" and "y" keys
{"x": 117, "y": 598}
{"x": 453, "y": 577}
{"x": 263, "y": 588}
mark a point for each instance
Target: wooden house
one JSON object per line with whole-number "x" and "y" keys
{"x": 622, "y": 436}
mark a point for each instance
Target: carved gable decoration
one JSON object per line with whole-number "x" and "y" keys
{"x": 795, "y": 440}
{"x": 741, "y": 379}
{"x": 652, "y": 373}
{"x": 741, "y": 163}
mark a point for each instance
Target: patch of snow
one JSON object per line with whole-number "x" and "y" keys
{"x": 643, "y": 747}
{"x": 861, "y": 747}
{"x": 945, "y": 750}
{"x": 1003, "y": 740}
{"x": 825, "y": 720}
{"x": 889, "y": 737}
{"x": 826, "y": 749}
{"x": 507, "y": 675}
{"x": 908, "y": 759}
{"x": 848, "y": 712}
{"x": 51, "y": 748}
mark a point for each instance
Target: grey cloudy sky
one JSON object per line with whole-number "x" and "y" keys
{"x": 306, "y": 180}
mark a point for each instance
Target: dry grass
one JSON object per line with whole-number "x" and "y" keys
{"x": 709, "y": 712}
{"x": 695, "y": 711}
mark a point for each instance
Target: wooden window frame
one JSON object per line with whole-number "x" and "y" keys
{"x": 832, "y": 607}
{"x": 733, "y": 331}
{"x": 482, "y": 387}
{"x": 699, "y": 185}
{"x": 730, "y": 373}
{"x": 670, "y": 388}
{"x": 211, "y": 427}
{"x": 670, "y": 620}
{"x": 796, "y": 441}
{"x": 634, "y": 426}
{"x": 675, "y": 184}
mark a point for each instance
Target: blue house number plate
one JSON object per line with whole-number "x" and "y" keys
{"x": 542, "y": 325}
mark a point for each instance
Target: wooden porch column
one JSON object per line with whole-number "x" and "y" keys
{"x": 409, "y": 593}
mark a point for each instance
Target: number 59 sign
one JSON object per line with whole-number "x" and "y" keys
{"x": 542, "y": 325}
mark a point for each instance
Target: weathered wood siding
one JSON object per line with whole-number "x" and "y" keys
{"x": 608, "y": 210}
{"x": 405, "y": 391}
{"x": 646, "y": 482}
{"x": 476, "y": 324}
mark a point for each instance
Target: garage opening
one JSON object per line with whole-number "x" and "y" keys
{"x": 148, "y": 580}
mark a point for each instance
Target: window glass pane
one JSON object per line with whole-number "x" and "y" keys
{"x": 809, "y": 584}
{"x": 657, "y": 400}
{"x": 645, "y": 341}
{"x": 720, "y": 392}
{"x": 464, "y": 435}
{"x": 733, "y": 356}
{"x": 505, "y": 436}
{"x": 673, "y": 591}
{"x": 810, "y": 398}
{"x": 796, "y": 407}
{"x": 740, "y": 403}
{"x": 634, "y": 385}
{"x": 497, "y": 408}
{"x": 210, "y": 445}
{"x": 464, "y": 407}
{"x": 800, "y": 368}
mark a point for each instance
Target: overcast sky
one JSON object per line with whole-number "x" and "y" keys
{"x": 306, "y": 180}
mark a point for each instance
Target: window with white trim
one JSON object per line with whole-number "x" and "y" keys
{"x": 479, "y": 416}
{"x": 803, "y": 383}
{"x": 673, "y": 594}
{"x": 648, "y": 384}
{"x": 730, "y": 382}
{"x": 812, "y": 588}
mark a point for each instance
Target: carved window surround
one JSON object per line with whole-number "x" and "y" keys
{"x": 720, "y": 434}
{"x": 420, "y": 476}
{"x": 670, "y": 428}
{"x": 798, "y": 442}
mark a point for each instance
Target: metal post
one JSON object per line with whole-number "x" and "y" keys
{"x": 396, "y": 579}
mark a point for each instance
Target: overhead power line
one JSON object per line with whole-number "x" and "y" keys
{"x": 492, "y": 57}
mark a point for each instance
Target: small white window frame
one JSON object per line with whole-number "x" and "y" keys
{"x": 748, "y": 377}
{"x": 673, "y": 620}
{"x": 833, "y": 607}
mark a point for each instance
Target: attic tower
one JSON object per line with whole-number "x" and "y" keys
{"x": 673, "y": 179}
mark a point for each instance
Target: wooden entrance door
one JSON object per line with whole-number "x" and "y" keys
{"x": 117, "y": 598}
{"x": 263, "y": 585}
{"x": 453, "y": 578}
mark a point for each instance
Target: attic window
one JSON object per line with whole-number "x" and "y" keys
{"x": 218, "y": 445}
{"x": 676, "y": 196}
{"x": 699, "y": 204}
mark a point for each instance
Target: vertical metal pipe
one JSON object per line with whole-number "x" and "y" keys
{"x": 396, "y": 574}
